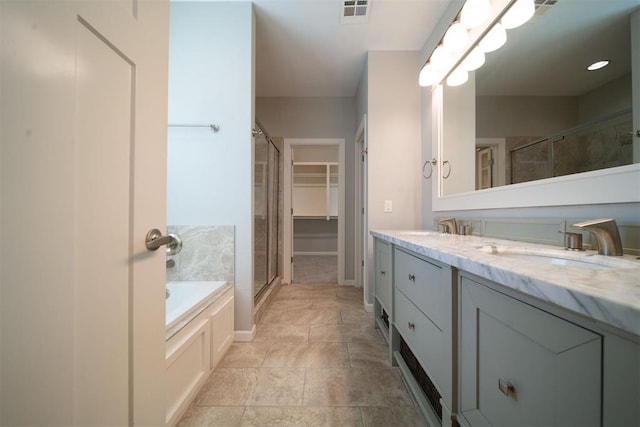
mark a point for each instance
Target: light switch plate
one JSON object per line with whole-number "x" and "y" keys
{"x": 388, "y": 206}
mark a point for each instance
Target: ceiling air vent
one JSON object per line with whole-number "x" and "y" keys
{"x": 354, "y": 11}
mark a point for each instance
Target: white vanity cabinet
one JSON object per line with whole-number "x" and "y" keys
{"x": 423, "y": 317}
{"x": 520, "y": 365}
{"x": 383, "y": 286}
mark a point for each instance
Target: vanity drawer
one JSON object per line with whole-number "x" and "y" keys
{"x": 427, "y": 342}
{"x": 383, "y": 273}
{"x": 424, "y": 284}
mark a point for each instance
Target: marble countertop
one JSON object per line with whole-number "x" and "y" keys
{"x": 609, "y": 295}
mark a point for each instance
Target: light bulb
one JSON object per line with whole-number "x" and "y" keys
{"x": 519, "y": 13}
{"x": 474, "y": 13}
{"x": 598, "y": 65}
{"x": 457, "y": 77}
{"x": 456, "y": 37}
{"x": 428, "y": 76}
{"x": 474, "y": 60}
{"x": 494, "y": 39}
{"x": 441, "y": 59}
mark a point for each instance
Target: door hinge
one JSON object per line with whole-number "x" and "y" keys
{"x": 363, "y": 263}
{"x": 291, "y": 260}
{"x": 362, "y": 211}
{"x": 291, "y": 211}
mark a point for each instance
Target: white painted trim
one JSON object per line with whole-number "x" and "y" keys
{"x": 361, "y": 235}
{"x": 368, "y": 307}
{"x": 287, "y": 247}
{"x": 615, "y": 185}
{"x": 245, "y": 336}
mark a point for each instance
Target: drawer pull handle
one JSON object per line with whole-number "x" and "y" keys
{"x": 411, "y": 325}
{"x": 412, "y": 278}
{"x": 382, "y": 273}
{"x": 506, "y": 388}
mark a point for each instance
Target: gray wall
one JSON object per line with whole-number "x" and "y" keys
{"x": 318, "y": 117}
{"x": 209, "y": 176}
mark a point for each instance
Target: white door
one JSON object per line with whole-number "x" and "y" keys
{"x": 83, "y": 165}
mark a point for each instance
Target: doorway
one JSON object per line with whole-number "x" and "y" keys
{"x": 314, "y": 210}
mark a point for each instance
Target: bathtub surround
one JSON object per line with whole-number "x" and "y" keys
{"x": 208, "y": 253}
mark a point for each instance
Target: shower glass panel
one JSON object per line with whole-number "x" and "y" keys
{"x": 266, "y": 172}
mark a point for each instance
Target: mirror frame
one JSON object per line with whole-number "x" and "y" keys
{"x": 614, "y": 185}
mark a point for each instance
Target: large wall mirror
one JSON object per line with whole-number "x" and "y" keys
{"x": 533, "y": 115}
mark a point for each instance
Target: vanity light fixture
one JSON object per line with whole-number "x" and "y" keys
{"x": 494, "y": 39}
{"x": 474, "y": 13}
{"x": 519, "y": 13}
{"x": 456, "y": 37}
{"x": 458, "y": 77}
{"x": 441, "y": 59}
{"x": 598, "y": 65}
{"x": 474, "y": 60}
{"x": 428, "y": 76}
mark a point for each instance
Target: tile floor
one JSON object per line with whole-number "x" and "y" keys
{"x": 316, "y": 361}
{"x": 315, "y": 269}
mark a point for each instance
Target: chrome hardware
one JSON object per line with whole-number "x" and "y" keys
{"x": 446, "y": 162}
{"x": 433, "y": 162}
{"x": 572, "y": 241}
{"x": 636, "y": 133}
{"x": 506, "y": 388}
{"x": 155, "y": 239}
{"x": 214, "y": 127}
{"x": 171, "y": 263}
{"x": 449, "y": 224}
{"x": 605, "y": 231}
{"x": 411, "y": 326}
{"x": 167, "y": 293}
{"x": 412, "y": 278}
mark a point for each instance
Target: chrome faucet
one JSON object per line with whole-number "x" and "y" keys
{"x": 449, "y": 224}
{"x": 605, "y": 231}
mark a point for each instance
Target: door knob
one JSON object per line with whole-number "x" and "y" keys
{"x": 155, "y": 239}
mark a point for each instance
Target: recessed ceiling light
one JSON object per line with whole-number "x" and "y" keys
{"x": 598, "y": 65}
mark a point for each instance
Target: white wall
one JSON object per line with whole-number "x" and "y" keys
{"x": 210, "y": 175}
{"x": 394, "y": 166}
{"x": 318, "y": 117}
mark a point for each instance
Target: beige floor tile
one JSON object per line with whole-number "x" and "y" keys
{"x": 278, "y": 387}
{"x": 366, "y": 354}
{"x": 355, "y": 387}
{"x": 311, "y": 317}
{"x": 245, "y": 355}
{"x": 219, "y": 416}
{"x": 316, "y": 355}
{"x": 398, "y": 416}
{"x": 356, "y": 316}
{"x": 228, "y": 387}
{"x": 344, "y": 333}
{"x": 350, "y": 293}
{"x": 284, "y": 304}
{"x": 283, "y": 332}
{"x": 299, "y": 417}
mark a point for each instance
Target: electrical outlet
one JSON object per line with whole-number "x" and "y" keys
{"x": 388, "y": 206}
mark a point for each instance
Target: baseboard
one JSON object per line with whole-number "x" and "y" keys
{"x": 348, "y": 283}
{"x": 315, "y": 253}
{"x": 368, "y": 307}
{"x": 245, "y": 336}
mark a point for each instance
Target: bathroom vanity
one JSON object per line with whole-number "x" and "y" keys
{"x": 495, "y": 332}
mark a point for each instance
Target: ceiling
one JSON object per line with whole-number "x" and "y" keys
{"x": 303, "y": 50}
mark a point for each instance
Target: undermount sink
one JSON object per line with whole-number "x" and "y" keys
{"x": 559, "y": 257}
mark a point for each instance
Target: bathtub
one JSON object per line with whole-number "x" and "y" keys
{"x": 199, "y": 331}
{"x": 188, "y": 299}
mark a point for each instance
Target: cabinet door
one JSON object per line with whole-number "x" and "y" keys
{"x": 221, "y": 331}
{"x": 383, "y": 274}
{"x": 520, "y": 365}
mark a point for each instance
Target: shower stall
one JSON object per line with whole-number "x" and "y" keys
{"x": 266, "y": 211}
